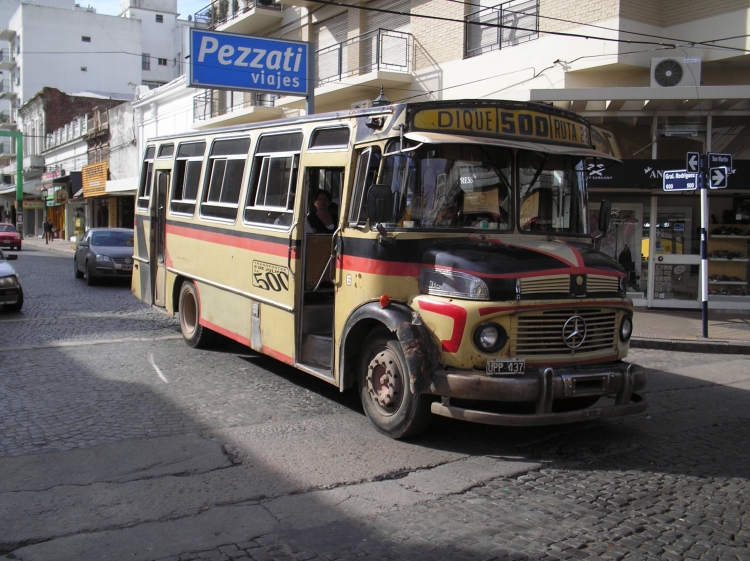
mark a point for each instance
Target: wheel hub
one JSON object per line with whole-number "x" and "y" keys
{"x": 385, "y": 382}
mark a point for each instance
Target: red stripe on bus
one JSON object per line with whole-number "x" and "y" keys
{"x": 457, "y": 313}
{"x": 378, "y": 267}
{"x": 225, "y": 332}
{"x": 280, "y": 249}
{"x": 498, "y": 309}
{"x": 277, "y": 355}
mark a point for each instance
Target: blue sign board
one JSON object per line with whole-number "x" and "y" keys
{"x": 680, "y": 180}
{"x": 239, "y": 62}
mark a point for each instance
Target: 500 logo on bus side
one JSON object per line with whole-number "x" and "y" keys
{"x": 270, "y": 277}
{"x": 521, "y": 124}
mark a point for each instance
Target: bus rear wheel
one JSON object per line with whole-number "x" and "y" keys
{"x": 384, "y": 389}
{"x": 193, "y": 332}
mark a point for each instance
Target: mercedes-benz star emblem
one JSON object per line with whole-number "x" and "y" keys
{"x": 574, "y": 332}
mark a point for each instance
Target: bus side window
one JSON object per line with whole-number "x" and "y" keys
{"x": 367, "y": 172}
{"x": 186, "y": 177}
{"x": 144, "y": 188}
{"x": 226, "y": 166}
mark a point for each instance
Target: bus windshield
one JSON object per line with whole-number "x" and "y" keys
{"x": 448, "y": 186}
{"x": 552, "y": 194}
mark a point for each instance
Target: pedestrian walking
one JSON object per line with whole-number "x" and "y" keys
{"x": 47, "y": 230}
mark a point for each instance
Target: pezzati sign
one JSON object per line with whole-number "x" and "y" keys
{"x": 239, "y": 62}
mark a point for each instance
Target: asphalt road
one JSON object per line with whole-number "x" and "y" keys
{"x": 117, "y": 441}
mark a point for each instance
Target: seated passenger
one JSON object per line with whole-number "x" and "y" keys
{"x": 322, "y": 220}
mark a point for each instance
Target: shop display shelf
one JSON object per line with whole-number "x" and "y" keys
{"x": 729, "y": 237}
{"x": 728, "y": 282}
{"x": 736, "y": 259}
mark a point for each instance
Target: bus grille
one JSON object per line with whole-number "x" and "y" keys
{"x": 552, "y": 283}
{"x": 540, "y": 333}
{"x": 600, "y": 283}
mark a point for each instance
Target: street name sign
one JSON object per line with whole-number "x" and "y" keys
{"x": 680, "y": 180}
{"x": 718, "y": 178}
{"x": 716, "y": 160}
{"x": 239, "y": 62}
{"x": 693, "y": 162}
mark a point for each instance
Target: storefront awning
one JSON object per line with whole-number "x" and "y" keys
{"x": 127, "y": 186}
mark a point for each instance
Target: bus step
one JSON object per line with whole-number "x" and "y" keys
{"x": 316, "y": 349}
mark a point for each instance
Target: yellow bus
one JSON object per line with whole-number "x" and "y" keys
{"x": 436, "y": 256}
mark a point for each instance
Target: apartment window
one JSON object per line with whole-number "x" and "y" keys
{"x": 162, "y": 61}
{"x": 145, "y": 61}
{"x": 510, "y": 23}
{"x": 84, "y": 69}
{"x": 86, "y": 39}
{"x": 159, "y": 18}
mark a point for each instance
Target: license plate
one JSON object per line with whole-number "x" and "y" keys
{"x": 127, "y": 267}
{"x": 505, "y": 366}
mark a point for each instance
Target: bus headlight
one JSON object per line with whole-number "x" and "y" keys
{"x": 444, "y": 282}
{"x": 8, "y": 282}
{"x": 626, "y": 329}
{"x": 490, "y": 337}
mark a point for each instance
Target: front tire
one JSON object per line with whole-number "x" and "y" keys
{"x": 90, "y": 277}
{"x": 384, "y": 389}
{"x": 193, "y": 332}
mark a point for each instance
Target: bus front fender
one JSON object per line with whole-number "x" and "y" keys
{"x": 415, "y": 340}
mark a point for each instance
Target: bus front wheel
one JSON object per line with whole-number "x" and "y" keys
{"x": 384, "y": 389}
{"x": 193, "y": 332}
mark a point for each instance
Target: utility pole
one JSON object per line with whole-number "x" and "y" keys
{"x": 18, "y": 135}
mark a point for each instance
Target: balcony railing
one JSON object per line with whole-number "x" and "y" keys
{"x": 510, "y": 23}
{"x": 222, "y": 11}
{"x": 380, "y": 49}
{"x": 4, "y": 117}
{"x": 214, "y": 103}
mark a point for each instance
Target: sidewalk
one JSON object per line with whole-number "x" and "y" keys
{"x": 668, "y": 330}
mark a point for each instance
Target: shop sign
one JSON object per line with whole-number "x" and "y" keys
{"x": 50, "y": 175}
{"x": 29, "y": 205}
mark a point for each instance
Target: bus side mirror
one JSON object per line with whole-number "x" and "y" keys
{"x": 379, "y": 203}
{"x": 604, "y": 216}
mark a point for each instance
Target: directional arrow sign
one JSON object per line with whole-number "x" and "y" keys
{"x": 718, "y": 178}
{"x": 680, "y": 180}
{"x": 716, "y": 160}
{"x": 692, "y": 162}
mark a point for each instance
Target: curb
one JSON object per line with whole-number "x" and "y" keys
{"x": 708, "y": 347}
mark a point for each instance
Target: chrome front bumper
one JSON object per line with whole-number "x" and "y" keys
{"x": 542, "y": 387}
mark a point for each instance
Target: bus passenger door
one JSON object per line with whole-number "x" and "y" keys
{"x": 318, "y": 272}
{"x": 158, "y": 237}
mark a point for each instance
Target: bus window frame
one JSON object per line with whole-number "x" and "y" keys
{"x": 329, "y": 148}
{"x": 206, "y": 183}
{"x": 253, "y": 182}
{"x": 198, "y": 191}
{"x": 146, "y": 179}
{"x": 162, "y": 148}
{"x": 361, "y": 221}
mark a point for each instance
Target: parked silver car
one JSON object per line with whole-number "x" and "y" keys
{"x": 11, "y": 293}
{"x": 104, "y": 253}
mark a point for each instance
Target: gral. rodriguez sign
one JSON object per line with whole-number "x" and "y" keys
{"x": 238, "y": 62}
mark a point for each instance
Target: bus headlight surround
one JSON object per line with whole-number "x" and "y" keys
{"x": 490, "y": 337}
{"x": 446, "y": 282}
{"x": 626, "y": 329}
{"x": 8, "y": 282}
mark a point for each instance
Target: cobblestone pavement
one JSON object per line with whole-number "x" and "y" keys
{"x": 92, "y": 379}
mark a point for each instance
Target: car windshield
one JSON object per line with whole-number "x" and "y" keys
{"x": 552, "y": 194}
{"x": 7, "y": 228}
{"x": 112, "y": 239}
{"x": 448, "y": 186}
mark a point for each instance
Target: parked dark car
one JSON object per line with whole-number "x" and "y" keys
{"x": 11, "y": 293}
{"x": 9, "y": 237}
{"x": 104, "y": 253}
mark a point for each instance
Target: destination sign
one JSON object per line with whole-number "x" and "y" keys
{"x": 680, "y": 180}
{"x": 519, "y": 124}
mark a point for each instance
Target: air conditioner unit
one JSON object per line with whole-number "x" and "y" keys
{"x": 671, "y": 72}
{"x": 365, "y": 104}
